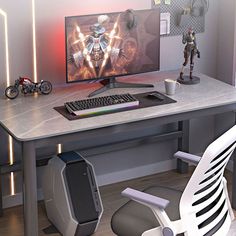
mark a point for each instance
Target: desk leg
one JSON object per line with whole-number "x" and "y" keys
{"x": 30, "y": 189}
{"x": 183, "y": 145}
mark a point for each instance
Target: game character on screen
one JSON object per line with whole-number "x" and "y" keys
{"x": 97, "y": 52}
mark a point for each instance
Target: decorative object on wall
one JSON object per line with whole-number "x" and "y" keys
{"x": 165, "y": 23}
{"x": 157, "y": 2}
{"x": 131, "y": 18}
{"x": 28, "y": 86}
{"x": 184, "y": 14}
{"x": 190, "y": 51}
{"x": 199, "y": 7}
{"x": 167, "y": 2}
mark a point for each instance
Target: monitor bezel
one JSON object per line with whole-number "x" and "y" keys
{"x": 112, "y": 76}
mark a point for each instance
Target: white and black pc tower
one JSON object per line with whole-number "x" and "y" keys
{"x": 71, "y": 195}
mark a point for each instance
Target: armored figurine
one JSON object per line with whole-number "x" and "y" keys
{"x": 97, "y": 51}
{"x": 190, "y": 51}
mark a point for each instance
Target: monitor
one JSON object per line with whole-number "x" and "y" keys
{"x": 105, "y": 46}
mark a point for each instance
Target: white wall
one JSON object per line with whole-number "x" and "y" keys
{"x": 226, "y": 42}
{"x": 20, "y": 39}
{"x": 226, "y": 56}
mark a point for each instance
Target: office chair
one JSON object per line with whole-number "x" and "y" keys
{"x": 203, "y": 209}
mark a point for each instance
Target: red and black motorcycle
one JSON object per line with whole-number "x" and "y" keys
{"x": 28, "y": 86}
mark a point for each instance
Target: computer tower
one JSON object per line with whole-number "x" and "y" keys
{"x": 71, "y": 195}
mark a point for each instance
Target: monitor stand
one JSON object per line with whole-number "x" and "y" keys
{"x": 113, "y": 83}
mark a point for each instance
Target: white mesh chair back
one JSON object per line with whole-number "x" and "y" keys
{"x": 204, "y": 206}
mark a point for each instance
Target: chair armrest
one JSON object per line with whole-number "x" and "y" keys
{"x": 156, "y": 204}
{"x": 184, "y": 156}
{"x": 145, "y": 198}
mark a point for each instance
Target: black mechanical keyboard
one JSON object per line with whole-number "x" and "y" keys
{"x": 101, "y": 104}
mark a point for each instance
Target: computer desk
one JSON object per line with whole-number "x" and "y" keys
{"x": 32, "y": 121}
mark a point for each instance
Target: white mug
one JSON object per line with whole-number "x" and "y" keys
{"x": 170, "y": 86}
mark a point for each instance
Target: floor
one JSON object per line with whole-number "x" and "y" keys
{"x": 12, "y": 222}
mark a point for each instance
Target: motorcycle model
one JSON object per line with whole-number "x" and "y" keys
{"x": 28, "y": 86}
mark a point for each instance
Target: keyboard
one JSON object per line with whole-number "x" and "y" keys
{"x": 101, "y": 104}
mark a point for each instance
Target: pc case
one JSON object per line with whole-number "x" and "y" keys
{"x": 71, "y": 195}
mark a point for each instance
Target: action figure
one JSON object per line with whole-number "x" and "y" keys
{"x": 190, "y": 51}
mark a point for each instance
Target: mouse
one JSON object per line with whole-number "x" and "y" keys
{"x": 156, "y": 95}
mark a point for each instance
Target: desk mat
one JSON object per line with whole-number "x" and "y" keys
{"x": 144, "y": 101}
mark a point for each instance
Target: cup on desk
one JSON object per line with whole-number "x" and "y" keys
{"x": 171, "y": 86}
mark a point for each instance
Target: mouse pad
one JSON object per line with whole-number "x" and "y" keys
{"x": 144, "y": 101}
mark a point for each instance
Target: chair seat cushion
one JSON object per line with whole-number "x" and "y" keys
{"x": 132, "y": 219}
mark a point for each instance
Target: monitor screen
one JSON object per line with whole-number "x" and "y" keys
{"x": 110, "y": 45}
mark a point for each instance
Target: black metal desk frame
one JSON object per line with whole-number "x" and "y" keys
{"x": 29, "y": 154}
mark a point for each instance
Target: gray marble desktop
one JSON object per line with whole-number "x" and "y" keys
{"x": 33, "y": 117}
